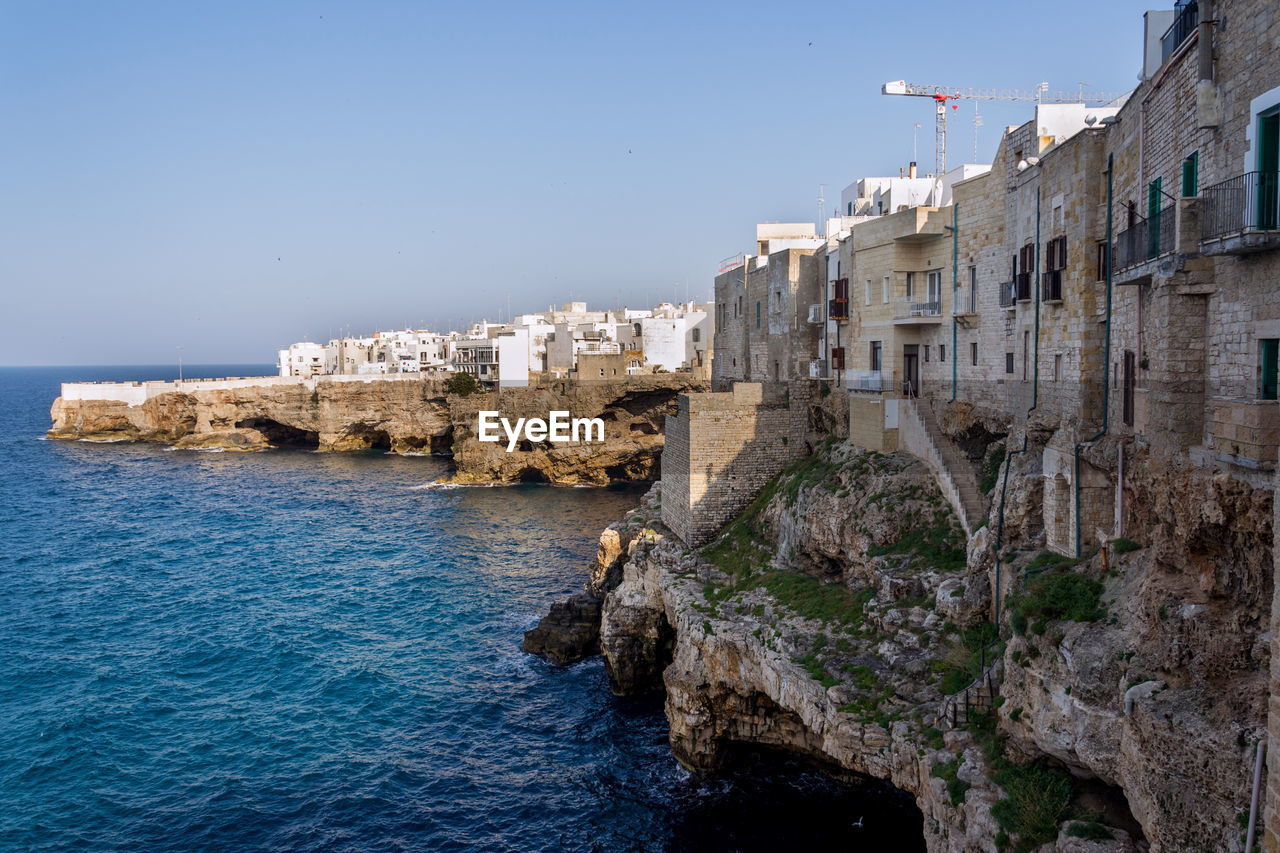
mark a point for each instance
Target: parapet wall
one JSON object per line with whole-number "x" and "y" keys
{"x": 722, "y": 448}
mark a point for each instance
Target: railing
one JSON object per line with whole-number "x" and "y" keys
{"x": 1249, "y": 202}
{"x": 864, "y": 380}
{"x": 838, "y": 309}
{"x": 1145, "y": 239}
{"x": 1022, "y": 281}
{"x": 818, "y": 369}
{"x": 1008, "y": 294}
{"x": 907, "y": 310}
{"x": 1186, "y": 20}
{"x": 1051, "y": 286}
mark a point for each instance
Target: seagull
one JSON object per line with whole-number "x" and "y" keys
{"x": 810, "y": 44}
{"x": 857, "y": 824}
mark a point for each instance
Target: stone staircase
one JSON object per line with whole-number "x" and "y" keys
{"x": 978, "y": 696}
{"x": 920, "y": 434}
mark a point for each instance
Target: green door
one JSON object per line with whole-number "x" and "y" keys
{"x": 1153, "y": 218}
{"x": 1268, "y": 359}
{"x": 1268, "y": 170}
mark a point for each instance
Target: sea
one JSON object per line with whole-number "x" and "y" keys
{"x": 290, "y": 650}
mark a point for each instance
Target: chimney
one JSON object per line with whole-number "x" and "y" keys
{"x": 911, "y": 169}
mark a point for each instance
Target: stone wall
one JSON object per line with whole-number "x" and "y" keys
{"x": 723, "y": 447}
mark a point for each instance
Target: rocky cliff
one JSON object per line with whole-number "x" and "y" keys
{"x": 843, "y": 617}
{"x": 402, "y": 417}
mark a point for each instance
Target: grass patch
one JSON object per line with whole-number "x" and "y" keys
{"x": 991, "y": 468}
{"x": 1090, "y": 830}
{"x": 956, "y": 787}
{"x": 810, "y": 598}
{"x": 1036, "y": 799}
{"x": 1124, "y": 546}
{"x": 940, "y": 544}
{"x": 963, "y": 664}
{"x": 1055, "y": 595}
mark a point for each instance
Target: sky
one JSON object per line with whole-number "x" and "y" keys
{"x": 231, "y": 177}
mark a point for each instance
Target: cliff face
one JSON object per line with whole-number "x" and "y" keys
{"x": 403, "y": 417}
{"x": 835, "y": 617}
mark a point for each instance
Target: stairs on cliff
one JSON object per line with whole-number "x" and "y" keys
{"x": 957, "y": 474}
{"x": 978, "y": 696}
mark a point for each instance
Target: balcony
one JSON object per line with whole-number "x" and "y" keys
{"x": 1008, "y": 294}
{"x": 1241, "y": 215}
{"x": 838, "y": 309}
{"x": 918, "y": 313}
{"x": 864, "y": 380}
{"x": 818, "y": 369}
{"x": 1146, "y": 240}
{"x": 1022, "y": 283}
{"x": 1051, "y": 286}
{"x": 1185, "y": 21}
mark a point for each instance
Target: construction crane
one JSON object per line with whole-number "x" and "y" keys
{"x": 942, "y": 94}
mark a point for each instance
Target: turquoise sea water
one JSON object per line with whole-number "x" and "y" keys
{"x": 300, "y": 651}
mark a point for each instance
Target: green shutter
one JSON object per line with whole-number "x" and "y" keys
{"x": 1268, "y": 364}
{"x": 1191, "y": 175}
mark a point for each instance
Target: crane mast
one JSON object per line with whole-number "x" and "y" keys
{"x": 942, "y": 94}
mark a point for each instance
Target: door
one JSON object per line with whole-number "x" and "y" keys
{"x": 911, "y": 370}
{"x": 1269, "y": 366}
{"x": 1268, "y": 170}
{"x": 934, "y": 285}
{"x": 1130, "y": 376}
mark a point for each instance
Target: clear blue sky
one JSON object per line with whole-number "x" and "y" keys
{"x": 230, "y": 177}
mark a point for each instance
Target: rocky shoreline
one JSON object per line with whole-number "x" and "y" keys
{"x": 842, "y": 617}
{"x": 415, "y": 417}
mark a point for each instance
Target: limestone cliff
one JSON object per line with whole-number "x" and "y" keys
{"x": 417, "y": 416}
{"x": 838, "y": 614}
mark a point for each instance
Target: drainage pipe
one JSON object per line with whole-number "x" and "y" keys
{"x": 1035, "y": 402}
{"x": 955, "y": 290}
{"x": 1253, "y": 800}
{"x": 1106, "y": 366}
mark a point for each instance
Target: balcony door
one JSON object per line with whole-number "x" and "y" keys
{"x": 934, "y": 286}
{"x": 911, "y": 370}
{"x": 1268, "y": 169}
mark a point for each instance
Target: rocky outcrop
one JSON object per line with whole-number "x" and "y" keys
{"x": 410, "y": 417}
{"x": 835, "y": 616}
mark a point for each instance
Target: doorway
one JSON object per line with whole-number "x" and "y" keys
{"x": 911, "y": 370}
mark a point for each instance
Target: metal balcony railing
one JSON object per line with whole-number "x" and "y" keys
{"x": 1051, "y": 286}
{"x": 1185, "y": 21}
{"x": 838, "y": 309}
{"x": 1022, "y": 281}
{"x": 1248, "y": 202}
{"x": 1145, "y": 239}
{"x": 864, "y": 380}
{"x": 1008, "y": 294}
{"x": 907, "y": 310}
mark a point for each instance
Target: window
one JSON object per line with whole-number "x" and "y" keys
{"x": 1191, "y": 175}
{"x": 934, "y": 288}
{"x": 911, "y": 285}
{"x": 1026, "y": 353}
{"x": 973, "y": 290}
{"x": 867, "y": 293}
{"x": 850, "y": 213}
{"x": 1268, "y": 359}
{"x": 973, "y": 353}
{"x": 696, "y": 335}
{"x": 942, "y": 352}
{"x": 636, "y": 328}
{"x": 875, "y": 356}
{"x": 926, "y": 353}
{"x": 1008, "y": 363}
{"x": 1102, "y": 261}
{"x": 757, "y": 313}
{"x": 1057, "y": 367}
{"x": 884, "y": 290}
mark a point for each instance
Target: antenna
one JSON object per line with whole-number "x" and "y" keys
{"x": 822, "y": 210}
{"x": 915, "y": 142}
